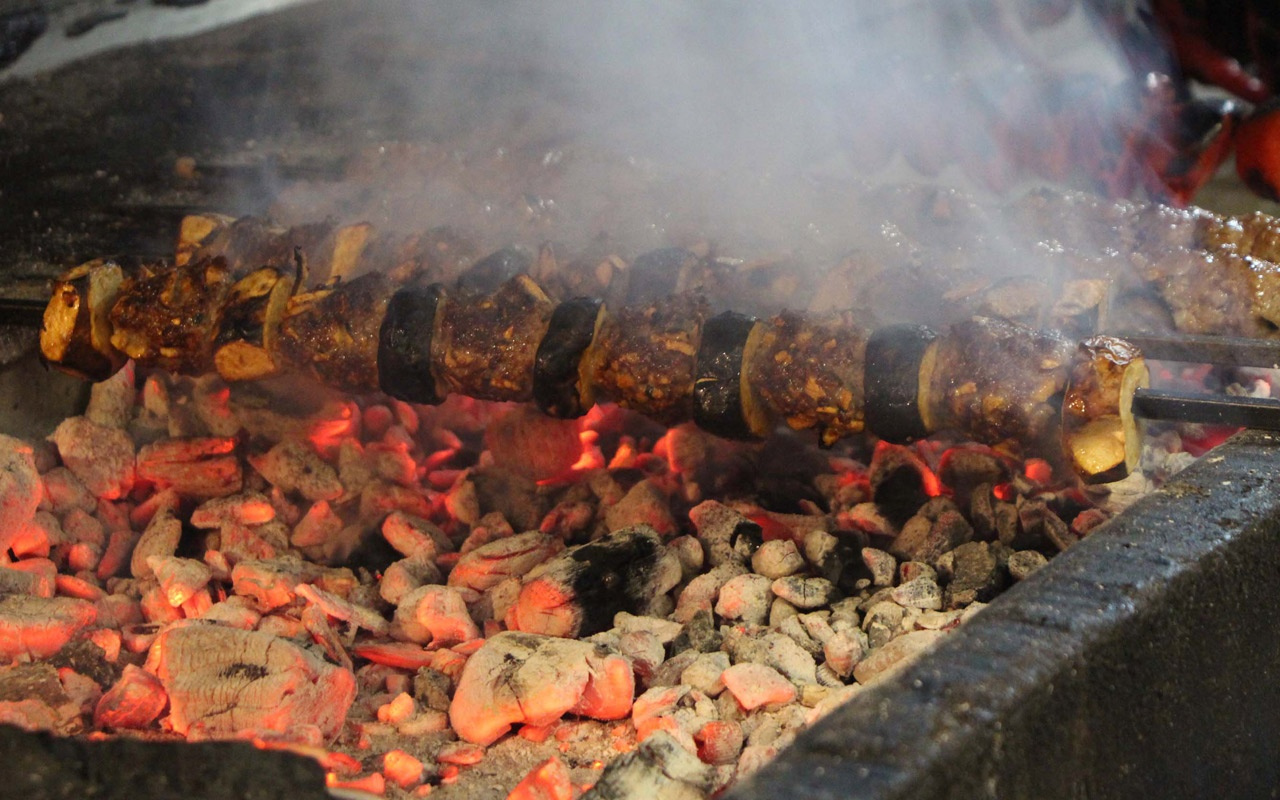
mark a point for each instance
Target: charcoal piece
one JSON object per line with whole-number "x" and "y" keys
{"x": 837, "y": 556}
{"x": 726, "y": 535}
{"x": 1006, "y": 516}
{"x": 657, "y": 273}
{"x": 404, "y": 345}
{"x": 658, "y": 767}
{"x": 18, "y": 30}
{"x": 976, "y": 577}
{"x": 718, "y": 406}
{"x": 495, "y": 269}
{"x": 935, "y": 507}
{"x": 900, "y": 483}
{"x": 699, "y": 635}
{"x": 431, "y": 689}
{"x": 372, "y": 553}
{"x": 925, "y": 540}
{"x": 37, "y": 681}
{"x": 1024, "y": 562}
{"x": 89, "y": 660}
{"x": 1040, "y": 528}
{"x": 964, "y": 468}
{"x": 556, "y": 377}
{"x": 892, "y": 379}
{"x": 982, "y": 512}
{"x": 514, "y": 496}
{"x": 578, "y": 592}
{"x": 44, "y": 767}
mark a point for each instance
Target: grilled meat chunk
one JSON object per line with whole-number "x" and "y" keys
{"x": 332, "y": 333}
{"x": 809, "y": 371}
{"x": 487, "y": 344}
{"x": 996, "y": 381}
{"x": 645, "y": 358}
{"x": 169, "y": 317}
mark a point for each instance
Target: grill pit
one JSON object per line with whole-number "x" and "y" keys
{"x": 83, "y": 212}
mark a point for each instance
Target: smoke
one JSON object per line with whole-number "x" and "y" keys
{"x": 755, "y": 125}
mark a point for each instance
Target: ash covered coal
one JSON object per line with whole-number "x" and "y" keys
{"x": 415, "y": 604}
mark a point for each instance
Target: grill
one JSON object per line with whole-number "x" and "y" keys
{"x": 1141, "y": 660}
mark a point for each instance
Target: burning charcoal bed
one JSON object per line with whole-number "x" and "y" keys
{"x": 445, "y": 436}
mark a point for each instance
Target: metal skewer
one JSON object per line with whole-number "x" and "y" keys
{"x": 20, "y": 311}
{"x": 1262, "y": 413}
{"x": 1225, "y": 351}
{"x": 1163, "y": 404}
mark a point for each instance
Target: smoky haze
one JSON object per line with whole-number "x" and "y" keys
{"x": 754, "y": 125}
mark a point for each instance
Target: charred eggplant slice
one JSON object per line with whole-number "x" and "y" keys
{"x": 892, "y": 381}
{"x": 556, "y": 382}
{"x": 718, "y": 403}
{"x": 404, "y": 345}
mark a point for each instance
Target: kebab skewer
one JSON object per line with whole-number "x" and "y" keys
{"x": 733, "y": 375}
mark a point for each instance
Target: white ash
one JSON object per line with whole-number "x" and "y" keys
{"x": 346, "y": 540}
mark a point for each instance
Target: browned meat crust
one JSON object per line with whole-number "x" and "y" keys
{"x": 996, "y": 381}
{"x": 487, "y": 344}
{"x": 645, "y": 358}
{"x": 332, "y": 333}
{"x": 809, "y": 371}
{"x": 168, "y": 317}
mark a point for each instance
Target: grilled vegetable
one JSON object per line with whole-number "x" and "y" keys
{"x": 734, "y": 375}
{"x": 724, "y": 401}
{"x": 404, "y": 345}
{"x": 251, "y": 319}
{"x": 557, "y": 381}
{"x": 76, "y": 333}
{"x": 1100, "y": 435}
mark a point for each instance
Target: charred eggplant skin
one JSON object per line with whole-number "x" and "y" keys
{"x": 555, "y": 370}
{"x": 717, "y": 390}
{"x": 404, "y": 345}
{"x": 892, "y": 381}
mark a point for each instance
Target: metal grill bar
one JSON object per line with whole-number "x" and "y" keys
{"x": 1227, "y": 351}
{"x": 1262, "y": 413}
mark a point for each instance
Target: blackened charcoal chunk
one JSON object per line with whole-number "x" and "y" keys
{"x": 900, "y": 482}
{"x": 977, "y": 575}
{"x": 699, "y": 634}
{"x": 964, "y": 468}
{"x": 925, "y": 540}
{"x": 516, "y": 497}
{"x": 17, "y": 32}
{"x": 837, "y": 556}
